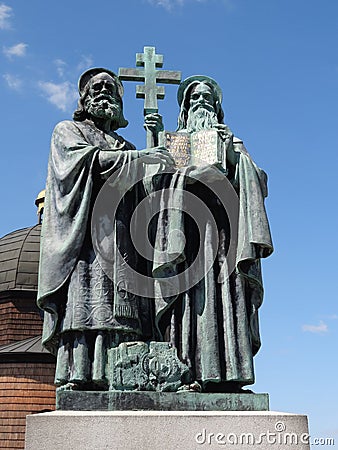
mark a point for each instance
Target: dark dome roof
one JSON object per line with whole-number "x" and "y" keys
{"x": 19, "y": 260}
{"x": 30, "y": 345}
{"x": 30, "y": 350}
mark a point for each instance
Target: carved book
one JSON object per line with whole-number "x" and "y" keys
{"x": 198, "y": 148}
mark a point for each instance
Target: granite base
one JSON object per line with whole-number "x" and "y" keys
{"x": 167, "y": 430}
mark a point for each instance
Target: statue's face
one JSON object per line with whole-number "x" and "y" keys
{"x": 201, "y": 97}
{"x": 201, "y": 113}
{"x": 102, "y": 99}
{"x": 102, "y": 85}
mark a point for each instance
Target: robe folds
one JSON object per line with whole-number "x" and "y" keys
{"x": 214, "y": 323}
{"x": 74, "y": 292}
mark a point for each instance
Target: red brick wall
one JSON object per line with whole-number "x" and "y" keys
{"x": 25, "y": 388}
{"x": 19, "y": 320}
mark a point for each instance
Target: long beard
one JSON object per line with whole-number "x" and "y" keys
{"x": 104, "y": 109}
{"x": 201, "y": 119}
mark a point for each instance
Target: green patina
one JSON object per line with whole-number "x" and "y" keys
{"x": 197, "y": 336}
{"x": 151, "y": 76}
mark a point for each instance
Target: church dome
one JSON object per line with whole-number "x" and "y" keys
{"x": 19, "y": 256}
{"x": 19, "y": 260}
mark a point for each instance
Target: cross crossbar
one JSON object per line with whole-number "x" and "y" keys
{"x": 150, "y": 61}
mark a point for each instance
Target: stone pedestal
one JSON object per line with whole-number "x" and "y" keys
{"x": 159, "y": 401}
{"x": 167, "y": 430}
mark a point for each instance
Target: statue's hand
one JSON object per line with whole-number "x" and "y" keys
{"x": 228, "y": 139}
{"x": 225, "y": 133}
{"x": 206, "y": 173}
{"x": 157, "y": 155}
{"x": 153, "y": 122}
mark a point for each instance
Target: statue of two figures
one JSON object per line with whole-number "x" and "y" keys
{"x": 150, "y": 273}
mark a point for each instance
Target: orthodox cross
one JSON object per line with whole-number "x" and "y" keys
{"x": 150, "y": 76}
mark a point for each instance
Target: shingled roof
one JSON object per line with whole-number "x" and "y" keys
{"x": 19, "y": 260}
{"x": 27, "y": 350}
{"x": 31, "y": 345}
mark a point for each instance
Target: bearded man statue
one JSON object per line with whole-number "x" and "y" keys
{"x": 85, "y": 313}
{"x": 213, "y": 322}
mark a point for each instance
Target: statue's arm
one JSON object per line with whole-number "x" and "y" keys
{"x": 109, "y": 161}
{"x": 241, "y": 152}
{"x": 70, "y": 151}
{"x": 75, "y": 145}
{"x": 232, "y": 157}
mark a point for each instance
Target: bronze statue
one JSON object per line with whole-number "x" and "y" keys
{"x": 214, "y": 322}
{"x": 85, "y": 312}
{"x": 185, "y": 315}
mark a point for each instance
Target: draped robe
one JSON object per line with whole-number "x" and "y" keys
{"x": 77, "y": 296}
{"x": 214, "y": 324}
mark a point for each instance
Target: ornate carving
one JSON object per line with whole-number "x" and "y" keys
{"x": 137, "y": 366}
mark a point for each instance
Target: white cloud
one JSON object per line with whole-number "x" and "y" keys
{"x": 60, "y": 67}
{"x": 333, "y": 317}
{"x": 166, "y": 4}
{"x": 170, "y": 4}
{"x": 16, "y": 50}
{"x": 321, "y": 328}
{"x": 5, "y": 14}
{"x": 61, "y": 95}
{"x": 13, "y": 81}
{"x": 85, "y": 63}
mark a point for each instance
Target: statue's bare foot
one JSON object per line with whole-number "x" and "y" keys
{"x": 192, "y": 387}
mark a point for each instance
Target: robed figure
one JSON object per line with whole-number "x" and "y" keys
{"x": 86, "y": 309}
{"x": 187, "y": 290}
{"x": 214, "y": 323}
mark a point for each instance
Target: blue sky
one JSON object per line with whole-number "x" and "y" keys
{"x": 277, "y": 63}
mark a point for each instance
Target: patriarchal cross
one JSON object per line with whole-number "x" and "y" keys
{"x": 151, "y": 76}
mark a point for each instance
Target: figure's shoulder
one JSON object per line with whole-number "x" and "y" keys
{"x": 70, "y": 128}
{"x": 245, "y": 158}
{"x": 239, "y": 146}
{"x": 65, "y": 125}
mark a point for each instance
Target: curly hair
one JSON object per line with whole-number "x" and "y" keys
{"x": 81, "y": 114}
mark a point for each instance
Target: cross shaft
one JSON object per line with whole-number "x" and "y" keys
{"x": 150, "y": 61}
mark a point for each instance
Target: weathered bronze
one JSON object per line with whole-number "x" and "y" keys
{"x": 150, "y": 91}
{"x": 150, "y": 273}
{"x": 85, "y": 312}
{"x": 214, "y": 323}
